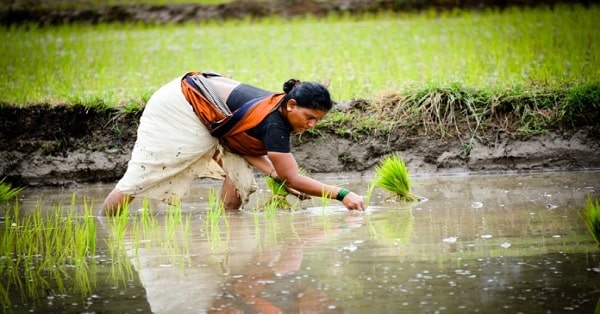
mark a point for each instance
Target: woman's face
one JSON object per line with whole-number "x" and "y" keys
{"x": 300, "y": 118}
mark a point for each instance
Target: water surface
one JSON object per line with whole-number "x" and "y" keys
{"x": 498, "y": 243}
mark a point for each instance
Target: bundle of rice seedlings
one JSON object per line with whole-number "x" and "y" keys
{"x": 392, "y": 176}
{"x": 591, "y": 218}
{"x": 279, "y": 193}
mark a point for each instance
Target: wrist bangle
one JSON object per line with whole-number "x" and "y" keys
{"x": 341, "y": 194}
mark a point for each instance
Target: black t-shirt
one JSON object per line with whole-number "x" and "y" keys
{"x": 273, "y": 131}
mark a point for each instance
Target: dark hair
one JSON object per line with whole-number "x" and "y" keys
{"x": 309, "y": 95}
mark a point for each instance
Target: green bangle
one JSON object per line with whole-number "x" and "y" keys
{"x": 341, "y": 194}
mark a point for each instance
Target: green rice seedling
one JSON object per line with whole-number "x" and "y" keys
{"x": 214, "y": 216}
{"x": 392, "y": 176}
{"x": 118, "y": 228}
{"x": 175, "y": 239}
{"x": 187, "y": 227}
{"x": 42, "y": 249}
{"x": 89, "y": 231}
{"x": 369, "y": 193}
{"x": 121, "y": 272}
{"x": 591, "y": 218}
{"x": 325, "y": 201}
{"x": 172, "y": 221}
{"x": 7, "y": 192}
{"x": 148, "y": 219}
{"x": 216, "y": 210}
{"x": 270, "y": 207}
{"x": 4, "y": 297}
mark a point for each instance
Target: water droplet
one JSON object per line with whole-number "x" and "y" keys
{"x": 450, "y": 239}
{"x": 476, "y": 204}
{"x": 350, "y": 247}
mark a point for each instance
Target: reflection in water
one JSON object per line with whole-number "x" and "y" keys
{"x": 490, "y": 243}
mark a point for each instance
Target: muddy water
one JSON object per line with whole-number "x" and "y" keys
{"x": 502, "y": 243}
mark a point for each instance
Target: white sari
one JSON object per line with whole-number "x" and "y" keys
{"x": 173, "y": 148}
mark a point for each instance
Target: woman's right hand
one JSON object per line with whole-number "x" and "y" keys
{"x": 354, "y": 201}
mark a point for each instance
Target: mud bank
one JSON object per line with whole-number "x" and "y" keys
{"x": 68, "y": 145}
{"x": 57, "y": 13}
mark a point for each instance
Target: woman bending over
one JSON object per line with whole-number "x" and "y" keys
{"x": 207, "y": 125}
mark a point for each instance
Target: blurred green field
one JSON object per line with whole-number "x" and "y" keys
{"x": 356, "y": 56}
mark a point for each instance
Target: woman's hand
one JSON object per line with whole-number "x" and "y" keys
{"x": 354, "y": 201}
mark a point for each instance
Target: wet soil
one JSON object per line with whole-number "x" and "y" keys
{"x": 60, "y": 12}
{"x": 71, "y": 144}
{"x": 47, "y": 145}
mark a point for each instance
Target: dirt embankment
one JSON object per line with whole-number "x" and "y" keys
{"x": 44, "y": 145}
{"x": 50, "y": 145}
{"x": 49, "y": 13}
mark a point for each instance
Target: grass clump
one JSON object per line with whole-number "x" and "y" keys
{"x": 392, "y": 176}
{"x": 459, "y": 111}
{"x": 591, "y": 218}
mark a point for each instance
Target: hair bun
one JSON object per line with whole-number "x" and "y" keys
{"x": 289, "y": 85}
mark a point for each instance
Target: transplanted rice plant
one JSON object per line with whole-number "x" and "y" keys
{"x": 46, "y": 252}
{"x": 7, "y": 192}
{"x": 591, "y": 218}
{"x": 392, "y": 176}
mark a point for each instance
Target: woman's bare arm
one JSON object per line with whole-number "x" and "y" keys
{"x": 261, "y": 163}
{"x": 287, "y": 169}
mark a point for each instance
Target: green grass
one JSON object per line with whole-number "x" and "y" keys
{"x": 516, "y": 49}
{"x": 464, "y": 112}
